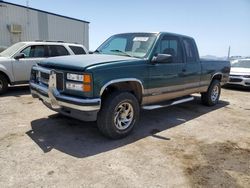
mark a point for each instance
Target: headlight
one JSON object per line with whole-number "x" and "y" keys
{"x": 74, "y": 86}
{"x": 75, "y": 77}
{"x": 86, "y": 78}
{"x": 85, "y": 84}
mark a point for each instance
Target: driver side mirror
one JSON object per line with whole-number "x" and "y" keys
{"x": 19, "y": 56}
{"x": 162, "y": 58}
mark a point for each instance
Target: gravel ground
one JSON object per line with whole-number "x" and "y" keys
{"x": 188, "y": 145}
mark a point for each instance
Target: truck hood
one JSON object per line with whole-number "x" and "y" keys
{"x": 239, "y": 71}
{"x": 80, "y": 62}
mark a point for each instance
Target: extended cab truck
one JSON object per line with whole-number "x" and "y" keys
{"x": 17, "y": 60}
{"x": 127, "y": 72}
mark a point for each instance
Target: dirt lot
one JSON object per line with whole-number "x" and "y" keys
{"x": 188, "y": 145}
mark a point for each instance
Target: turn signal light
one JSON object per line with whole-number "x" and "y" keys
{"x": 86, "y": 87}
{"x": 87, "y": 78}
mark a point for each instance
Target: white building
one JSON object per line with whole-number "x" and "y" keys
{"x": 21, "y": 23}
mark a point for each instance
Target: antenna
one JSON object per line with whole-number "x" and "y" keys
{"x": 228, "y": 54}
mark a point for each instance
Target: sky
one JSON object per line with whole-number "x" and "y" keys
{"x": 214, "y": 24}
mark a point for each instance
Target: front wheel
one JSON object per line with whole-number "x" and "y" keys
{"x": 3, "y": 84}
{"x": 119, "y": 115}
{"x": 211, "y": 97}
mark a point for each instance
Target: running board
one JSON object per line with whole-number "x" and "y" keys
{"x": 169, "y": 103}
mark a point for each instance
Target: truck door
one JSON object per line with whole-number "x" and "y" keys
{"x": 22, "y": 67}
{"x": 165, "y": 78}
{"x": 192, "y": 66}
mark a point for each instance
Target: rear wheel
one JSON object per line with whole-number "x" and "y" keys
{"x": 211, "y": 97}
{"x": 3, "y": 84}
{"x": 118, "y": 115}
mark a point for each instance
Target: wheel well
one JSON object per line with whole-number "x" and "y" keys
{"x": 5, "y": 75}
{"x": 217, "y": 77}
{"x": 129, "y": 86}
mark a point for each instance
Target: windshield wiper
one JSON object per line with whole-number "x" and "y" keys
{"x": 121, "y": 52}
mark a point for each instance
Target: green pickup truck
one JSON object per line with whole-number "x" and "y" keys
{"x": 127, "y": 72}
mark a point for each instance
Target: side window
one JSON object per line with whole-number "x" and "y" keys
{"x": 57, "y": 50}
{"x": 190, "y": 50}
{"x": 26, "y": 51}
{"x": 34, "y": 51}
{"x": 171, "y": 45}
{"x": 77, "y": 50}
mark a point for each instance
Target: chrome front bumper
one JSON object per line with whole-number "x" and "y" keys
{"x": 68, "y": 105}
{"x": 57, "y": 100}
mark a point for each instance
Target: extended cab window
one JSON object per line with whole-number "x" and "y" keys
{"x": 171, "y": 45}
{"x": 57, "y": 50}
{"x": 77, "y": 50}
{"x": 190, "y": 50}
{"x": 34, "y": 51}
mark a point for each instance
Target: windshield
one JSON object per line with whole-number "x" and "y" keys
{"x": 129, "y": 44}
{"x": 241, "y": 63}
{"x": 12, "y": 49}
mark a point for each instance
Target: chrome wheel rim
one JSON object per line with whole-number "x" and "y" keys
{"x": 124, "y": 115}
{"x": 215, "y": 93}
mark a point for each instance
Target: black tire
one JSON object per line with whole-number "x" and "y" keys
{"x": 211, "y": 97}
{"x": 3, "y": 84}
{"x": 123, "y": 105}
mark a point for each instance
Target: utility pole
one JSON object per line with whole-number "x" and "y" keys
{"x": 228, "y": 55}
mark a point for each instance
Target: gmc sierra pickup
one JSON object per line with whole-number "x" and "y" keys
{"x": 127, "y": 72}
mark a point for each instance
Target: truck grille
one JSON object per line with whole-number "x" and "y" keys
{"x": 235, "y": 75}
{"x": 43, "y": 78}
{"x": 59, "y": 81}
{"x": 235, "y": 80}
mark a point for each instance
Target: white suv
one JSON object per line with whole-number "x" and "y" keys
{"x": 16, "y": 61}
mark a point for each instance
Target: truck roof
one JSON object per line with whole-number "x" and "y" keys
{"x": 161, "y": 33}
{"x": 175, "y": 34}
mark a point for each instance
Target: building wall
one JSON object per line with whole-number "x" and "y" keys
{"x": 39, "y": 25}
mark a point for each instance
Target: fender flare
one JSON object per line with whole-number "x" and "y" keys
{"x": 120, "y": 81}
{"x": 216, "y": 74}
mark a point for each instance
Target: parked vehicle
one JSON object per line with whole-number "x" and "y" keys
{"x": 240, "y": 73}
{"x": 17, "y": 60}
{"x": 127, "y": 72}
